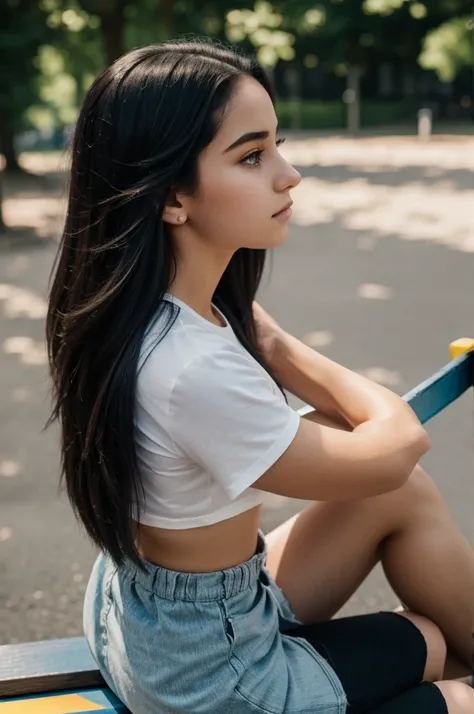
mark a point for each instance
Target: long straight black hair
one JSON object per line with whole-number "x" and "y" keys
{"x": 141, "y": 128}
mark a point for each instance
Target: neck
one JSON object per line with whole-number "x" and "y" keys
{"x": 199, "y": 269}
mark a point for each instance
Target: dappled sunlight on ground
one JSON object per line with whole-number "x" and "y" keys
{"x": 371, "y": 291}
{"x": 387, "y": 377}
{"x": 5, "y": 533}
{"x": 388, "y": 187}
{"x": 34, "y": 202}
{"x": 380, "y": 152}
{"x": 45, "y": 162}
{"x": 20, "y": 302}
{"x": 40, "y": 215}
{"x": 8, "y": 469}
{"x": 29, "y": 351}
{"x": 318, "y": 339}
{"x": 442, "y": 215}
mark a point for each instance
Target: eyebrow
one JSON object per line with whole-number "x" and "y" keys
{"x": 249, "y": 136}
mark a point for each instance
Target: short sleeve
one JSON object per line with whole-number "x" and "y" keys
{"x": 225, "y": 414}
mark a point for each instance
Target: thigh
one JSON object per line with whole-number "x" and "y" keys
{"x": 376, "y": 656}
{"x": 320, "y": 556}
{"x": 426, "y": 698}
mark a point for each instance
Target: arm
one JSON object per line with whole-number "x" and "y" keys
{"x": 269, "y": 337}
{"x": 330, "y": 387}
{"x": 317, "y": 380}
{"x": 325, "y": 463}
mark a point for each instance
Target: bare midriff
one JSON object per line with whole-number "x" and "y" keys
{"x": 201, "y": 550}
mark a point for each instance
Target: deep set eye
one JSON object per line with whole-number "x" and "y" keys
{"x": 255, "y": 157}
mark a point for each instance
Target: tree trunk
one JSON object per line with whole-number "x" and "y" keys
{"x": 7, "y": 147}
{"x": 353, "y": 99}
{"x": 2, "y": 223}
{"x": 293, "y": 85}
{"x": 112, "y": 27}
{"x": 168, "y": 17}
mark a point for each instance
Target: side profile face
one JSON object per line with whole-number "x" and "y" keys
{"x": 243, "y": 179}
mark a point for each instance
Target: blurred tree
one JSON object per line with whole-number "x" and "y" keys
{"x": 112, "y": 22}
{"x": 448, "y": 42}
{"x": 450, "y": 47}
{"x": 268, "y": 27}
{"x": 348, "y": 36}
{"x": 338, "y": 35}
{"x": 67, "y": 67}
{"x": 23, "y": 30}
{"x": 124, "y": 24}
{"x": 76, "y": 18}
{"x": 347, "y": 39}
{"x": 446, "y": 7}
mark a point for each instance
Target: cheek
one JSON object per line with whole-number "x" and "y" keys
{"x": 235, "y": 197}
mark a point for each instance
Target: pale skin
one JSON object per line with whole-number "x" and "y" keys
{"x": 320, "y": 556}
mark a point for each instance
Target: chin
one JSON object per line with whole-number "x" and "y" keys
{"x": 279, "y": 237}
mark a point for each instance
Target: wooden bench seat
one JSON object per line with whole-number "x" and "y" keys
{"x": 53, "y": 677}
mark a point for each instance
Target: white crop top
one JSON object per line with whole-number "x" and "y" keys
{"x": 209, "y": 422}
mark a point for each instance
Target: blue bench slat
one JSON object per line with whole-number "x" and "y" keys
{"x": 47, "y": 666}
{"x": 439, "y": 391}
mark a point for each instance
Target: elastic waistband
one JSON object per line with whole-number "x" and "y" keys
{"x": 217, "y": 585}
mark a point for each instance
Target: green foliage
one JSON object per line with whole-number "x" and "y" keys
{"x": 382, "y": 7}
{"x": 331, "y": 33}
{"x": 22, "y": 31}
{"x": 448, "y": 42}
{"x": 449, "y": 47}
{"x": 263, "y": 27}
{"x": 333, "y": 114}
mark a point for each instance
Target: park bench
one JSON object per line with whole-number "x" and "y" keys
{"x": 60, "y": 676}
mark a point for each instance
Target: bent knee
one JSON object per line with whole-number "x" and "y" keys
{"x": 436, "y": 649}
{"x": 419, "y": 499}
{"x": 459, "y": 697}
{"x": 421, "y": 486}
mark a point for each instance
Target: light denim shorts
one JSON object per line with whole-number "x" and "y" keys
{"x": 169, "y": 642}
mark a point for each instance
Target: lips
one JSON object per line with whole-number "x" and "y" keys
{"x": 282, "y": 210}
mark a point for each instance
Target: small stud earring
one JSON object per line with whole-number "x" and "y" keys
{"x": 180, "y": 219}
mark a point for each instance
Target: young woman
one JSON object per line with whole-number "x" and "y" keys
{"x": 168, "y": 384}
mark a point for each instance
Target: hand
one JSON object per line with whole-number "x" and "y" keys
{"x": 269, "y": 333}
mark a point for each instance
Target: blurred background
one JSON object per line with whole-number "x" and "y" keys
{"x": 376, "y": 98}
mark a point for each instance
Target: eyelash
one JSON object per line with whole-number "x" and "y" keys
{"x": 258, "y": 155}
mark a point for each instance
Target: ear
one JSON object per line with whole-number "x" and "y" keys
{"x": 174, "y": 212}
